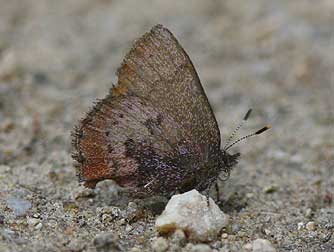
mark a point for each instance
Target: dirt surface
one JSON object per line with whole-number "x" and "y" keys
{"x": 277, "y": 57}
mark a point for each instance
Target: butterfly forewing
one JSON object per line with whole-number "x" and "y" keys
{"x": 156, "y": 129}
{"x": 158, "y": 69}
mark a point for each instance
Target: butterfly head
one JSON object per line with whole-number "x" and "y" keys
{"x": 227, "y": 161}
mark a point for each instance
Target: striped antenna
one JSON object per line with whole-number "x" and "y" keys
{"x": 248, "y": 136}
{"x": 237, "y": 128}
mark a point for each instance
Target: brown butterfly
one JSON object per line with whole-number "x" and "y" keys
{"x": 155, "y": 132}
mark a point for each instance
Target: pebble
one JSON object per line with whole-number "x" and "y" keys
{"x": 270, "y": 189}
{"x": 32, "y": 221}
{"x": 300, "y": 225}
{"x": 242, "y": 234}
{"x": 267, "y": 231}
{"x": 308, "y": 213}
{"x": 109, "y": 213}
{"x": 105, "y": 242}
{"x": 39, "y": 226}
{"x": 4, "y": 169}
{"x": 310, "y": 226}
{"x": 83, "y": 192}
{"x": 160, "y": 245}
{"x": 262, "y": 245}
{"x": 133, "y": 212}
{"x": 18, "y": 206}
{"x": 183, "y": 209}
{"x": 8, "y": 64}
{"x": 198, "y": 248}
{"x": 235, "y": 228}
{"x": 52, "y": 223}
{"x": 128, "y": 228}
{"x": 249, "y": 195}
{"x": 224, "y": 235}
{"x": 248, "y": 246}
{"x": 135, "y": 249}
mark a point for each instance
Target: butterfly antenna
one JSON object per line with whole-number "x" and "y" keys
{"x": 260, "y": 131}
{"x": 237, "y": 128}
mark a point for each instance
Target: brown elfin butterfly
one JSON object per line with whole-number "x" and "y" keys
{"x": 155, "y": 132}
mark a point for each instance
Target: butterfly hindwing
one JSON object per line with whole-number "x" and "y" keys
{"x": 155, "y": 131}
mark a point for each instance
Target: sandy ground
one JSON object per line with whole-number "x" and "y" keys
{"x": 277, "y": 57}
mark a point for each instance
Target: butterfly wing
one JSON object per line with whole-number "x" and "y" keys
{"x": 159, "y": 69}
{"x": 154, "y": 123}
{"x": 126, "y": 139}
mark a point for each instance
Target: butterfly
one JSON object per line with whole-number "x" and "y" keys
{"x": 155, "y": 132}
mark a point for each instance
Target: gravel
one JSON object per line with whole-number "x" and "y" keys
{"x": 57, "y": 57}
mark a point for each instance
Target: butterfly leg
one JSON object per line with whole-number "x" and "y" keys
{"x": 217, "y": 192}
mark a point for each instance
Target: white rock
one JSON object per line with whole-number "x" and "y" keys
{"x": 300, "y": 225}
{"x": 310, "y": 226}
{"x": 201, "y": 248}
{"x": 134, "y": 249}
{"x": 308, "y": 212}
{"x": 33, "y": 221}
{"x": 262, "y": 245}
{"x": 191, "y": 212}
{"x": 160, "y": 245}
{"x": 197, "y": 248}
{"x": 224, "y": 235}
{"x": 39, "y": 226}
{"x": 248, "y": 247}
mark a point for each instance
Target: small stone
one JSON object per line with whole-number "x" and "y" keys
{"x": 248, "y": 246}
{"x": 262, "y": 245}
{"x": 242, "y": 234}
{"x": 39, "y": 226}
{"x": 308, "y": 213}
{"x": 76, "y": 245}
{"x": 33, "y": 221}
{"x": 70, "y": 206}
{"x": 300, "y": 225}
{"x": 267, "y": 231}
{"x": 297, "y": 159}
{"x": 133, "y": 212}
{"x": 8, "y": 65}
{"x": 83, "y": 192}
{"x": 135, "y": 249}
{"x": 105, "y": 242}
{"x": 183, "y": 209}
{"x": 310, "y": 226}
{"x": 235, "y": 228}
{"x": 4, "y": 169}
{"x": 52, "y": 223}
{"x": 36, "y": 215}
{"x": 128, "y": 228}
{"x": 270, "y": 189}
{"x": 160, "y": 245}
{"x": 231, "y": 237}
{"x": 114, "y": 212}
{"x": 249, "y": 195}
{"x": 201, "y": 248}
{"x": 224, "y": 235}
{"x": 18, "y": 206}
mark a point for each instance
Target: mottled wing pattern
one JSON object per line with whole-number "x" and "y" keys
{"x": 105, "y": 139}
{"x": 158, "y": 69}
{"x": 156, "y": 129}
